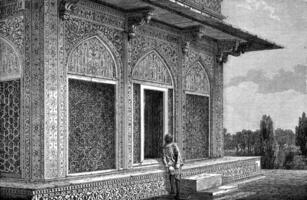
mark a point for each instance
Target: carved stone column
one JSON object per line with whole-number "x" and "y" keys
{"x": 43, "y": 153}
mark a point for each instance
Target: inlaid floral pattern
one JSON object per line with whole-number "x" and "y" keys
{"x": 136, "y": 123}
{"x": 197, "y": 127}
{"x": 91, "y": 126}
{"x": 10, "y": 127}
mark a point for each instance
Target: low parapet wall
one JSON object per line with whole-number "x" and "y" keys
{"x": 129, "y": 185}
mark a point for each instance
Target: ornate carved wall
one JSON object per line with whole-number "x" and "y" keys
{"x": 196, "y": 79}
{"x": 10, "y": 127}
{"x": 11, "y": 65}
{"x": 217, "y": 139}
{"x": 194, "y": 58}
{"x": 149, "y": 185}
{"x": 49, "y": 48}
{"x": 196, "y": 134}
{"x": 9, "y": 62}
{"x": 151, "y": 68}
{"x": 102, "y": 29}
{"x": 136, "y": 123}
{"x": 91, "y": 126}
{"x": 152, "y": 48}
{"x": 9, "y": 8}
{"x": 92, "y": 58}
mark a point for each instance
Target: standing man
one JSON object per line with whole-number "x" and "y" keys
{"x": 173, "y": 162}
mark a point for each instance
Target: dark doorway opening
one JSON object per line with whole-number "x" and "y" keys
{"x": 154, "y": 124}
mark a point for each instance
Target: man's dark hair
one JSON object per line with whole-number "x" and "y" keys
{"x": 168, "y": 138}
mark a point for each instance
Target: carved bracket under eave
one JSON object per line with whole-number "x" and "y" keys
{"x": 66, "y": 7}
{"x": 230, "y": 47}
{"x": 193, "y": 34}
{"x": 138, "y": 17}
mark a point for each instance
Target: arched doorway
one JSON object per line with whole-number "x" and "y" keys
{"x": 152, "y": 107}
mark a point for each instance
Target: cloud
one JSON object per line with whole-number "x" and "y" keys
{"x": 282, "y": 81}
{"x": 260, "y": 5}
{"x": 244, "y": 107}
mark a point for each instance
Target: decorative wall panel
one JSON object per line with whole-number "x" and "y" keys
{"x": 196, "y": 135}
{"x": 77, "y": 29}
{"x": 8, "y": 8}
{"x": 53, "y": 154}
{"x": 91, "y": 126}
{"x": 10, "y": 127}
{"x": 9, "y": 62}
{"x": 136, "y": 123}
{"x": 200, "y": 58}
{"x": 196, "y": 79}
{"x": 13, "y": 29}
{"x": 153, "y": 69}
{"x": 149, "y": 185}
{"x": 98, "y": 13}
{"x": 217, "y": 113}
{"x": 33, "y": 89}
{"x": 150, "y": 40}
{"x": 205, "y": 59}
{"x": 92, "y": 57}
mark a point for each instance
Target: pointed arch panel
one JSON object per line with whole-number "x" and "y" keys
{"x": 152, "y": 68}
{"x": 92, "y": 57}
{"x": 196, "y": 79}
{"x": 10, "y": 67}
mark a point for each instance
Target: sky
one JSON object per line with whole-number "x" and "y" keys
{"x": 271, "y": 82}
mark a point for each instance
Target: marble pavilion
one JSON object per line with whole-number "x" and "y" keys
{"x": 88, "y": 89}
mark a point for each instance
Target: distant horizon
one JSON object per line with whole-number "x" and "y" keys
{"x": 271, "y": 82}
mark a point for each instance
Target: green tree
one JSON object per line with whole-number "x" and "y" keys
{"x": 301, "y": 134}
{"x": 268, "y": 143}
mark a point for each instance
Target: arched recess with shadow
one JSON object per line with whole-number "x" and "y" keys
{"x": 93, "y": 71}
{"x": 196, "y": 119}
{"x": 10, "y": 109}
{"x": 153, "y": 110}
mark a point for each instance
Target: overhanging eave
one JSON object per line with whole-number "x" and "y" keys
{"x": 254, "y": 42}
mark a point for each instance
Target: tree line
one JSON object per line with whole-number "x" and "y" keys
{"x": 267, "y": 142}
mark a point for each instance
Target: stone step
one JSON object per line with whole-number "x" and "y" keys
{"x": 223, "y": 192}
{"x": 219, "y": 191}
{"x": 200, "y": 182}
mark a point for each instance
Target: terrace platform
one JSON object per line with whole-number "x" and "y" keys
{"x": 133, "y": 184}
